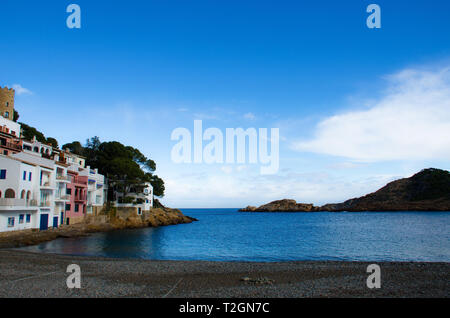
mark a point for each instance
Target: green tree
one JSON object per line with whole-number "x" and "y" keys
{"x": 16, "y": 116}
{"x": 74, "y": 147}
{"x": 29, "y": 132}
{"x": 126, "y": 167}
{"x": 53, "y": 142}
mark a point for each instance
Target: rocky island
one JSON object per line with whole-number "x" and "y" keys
{"x": 428, "y": 190}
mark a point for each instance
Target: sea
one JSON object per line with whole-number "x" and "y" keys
{"x": 229, "y": 235}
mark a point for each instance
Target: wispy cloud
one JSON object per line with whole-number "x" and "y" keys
{"x": 409, "y": 121}
{"x": 21, "y": 90}
{"x": 239, "y": 189}
{"x": 250, "y": 116}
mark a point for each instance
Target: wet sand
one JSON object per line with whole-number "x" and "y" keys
{"x": 25, "y": 274}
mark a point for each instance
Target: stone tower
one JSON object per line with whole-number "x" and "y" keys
{"x": 7, "y": 102}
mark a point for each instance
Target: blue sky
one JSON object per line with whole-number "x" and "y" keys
{"x": 136, "y": 70}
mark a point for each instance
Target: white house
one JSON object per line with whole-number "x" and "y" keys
{"x": 142, "y": 198}
{"x": 19, "y": 195}
{"x": 44, "y": 186}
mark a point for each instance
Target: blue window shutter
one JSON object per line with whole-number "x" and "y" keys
{"x": 29, "y": 177}
{"x": 24, "y": 175}
{"x": 3, "y": 174}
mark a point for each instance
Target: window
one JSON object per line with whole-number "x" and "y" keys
{"x": 5, "y": 152}
{"x": 29, "y": 177}
{"x": 3, "y": 174}
{"x": 21, "y": 218}
{"x": 28, "y": 218}
{"x": 22, "y": 194}
{"x": 7, "y": 104}
{"x": 69, "y": 191}
{"x": 67, "y": 207}
{"x": 10, "y": 194}
{"x": 139, "y": 211}
{"x": 7, "y": 116}
{"x": 24, "y": 175}
{"x": 10, "y": 222}
{"x": 76, "y": 208}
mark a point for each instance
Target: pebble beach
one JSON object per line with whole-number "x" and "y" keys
{"x": 25, "y": 274}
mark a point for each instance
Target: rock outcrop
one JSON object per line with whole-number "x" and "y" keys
{"x": 281, "y": 206}
{"x": 428, "y": 190}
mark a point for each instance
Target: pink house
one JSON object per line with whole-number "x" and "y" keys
{"x": 77, "y": 189}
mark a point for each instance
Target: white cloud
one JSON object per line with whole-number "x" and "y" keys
{"x": 410, "y": 121}
{"x": 250, "y": 116}
{"x": 227, "y": 169}
{"x": 236, "y": 190}
{"x": 21, "y": 90}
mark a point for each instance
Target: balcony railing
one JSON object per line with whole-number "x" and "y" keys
{"x": 80, "y": 198}
{"x": 61, "y": 177}
{"x": 77, "y": 180}
{"x": 18, "y": 202}
{"x": 62, "y": 197}
{"x": 45, "y": 204}
{"x": 13, "y": 146}
{"x": 46, "y": 184}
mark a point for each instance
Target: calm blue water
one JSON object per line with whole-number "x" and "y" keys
{"x": 227, "y": 235}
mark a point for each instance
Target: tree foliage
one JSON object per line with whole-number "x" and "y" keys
{"x": 29, "y": 132}
{"x": 125, "y": 167}
{"x": 16, "y": 116}
{"x": 53, "y": 142}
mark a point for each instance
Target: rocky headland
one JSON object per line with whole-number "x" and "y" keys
{"x": 428, "y": 190}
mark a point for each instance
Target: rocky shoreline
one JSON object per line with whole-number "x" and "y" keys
{"x": 428, "y": 190}
{"x": 160, "y": 216}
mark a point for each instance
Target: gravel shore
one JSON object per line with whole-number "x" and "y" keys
{"x": 25, "y": 274}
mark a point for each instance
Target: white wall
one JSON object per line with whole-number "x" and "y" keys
{"x": 12, "y": 126}
{"x": 4, "y": 215}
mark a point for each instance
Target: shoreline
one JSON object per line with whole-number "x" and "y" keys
{"x": 44, "y": 275}
{"x": 158, "y": 217}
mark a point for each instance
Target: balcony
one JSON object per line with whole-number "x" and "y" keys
{"x": 62, "y": 198}
{"x": 11, "y": 145}
{"x": 47, "y": 185}
{"x": 81, "y": 181}
{"x": 6, "y": 130}
{"x": 80, "y": 198}
{"x": 63, "y": 178}
{"x": 17, "y": 203}
{"x": 45, "y": 203}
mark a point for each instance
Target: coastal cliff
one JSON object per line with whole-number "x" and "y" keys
{"x": 428, "y": 190}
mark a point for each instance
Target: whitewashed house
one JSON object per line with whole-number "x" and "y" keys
{"x": 19, "y": 194}
{"x": 44, "y": 186}
{"x": 141, "y": 198}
